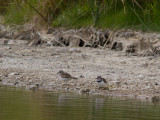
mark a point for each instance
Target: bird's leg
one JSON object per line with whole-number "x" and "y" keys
{"x": 66, "y": 83}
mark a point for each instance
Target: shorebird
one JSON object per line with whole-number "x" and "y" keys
{"x": 101, "y": 81}
{"x": 64, "y": 76}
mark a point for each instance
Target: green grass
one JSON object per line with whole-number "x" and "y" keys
{"x": 80, "y": 16}
{"x": 19, "y": 12}
{"x": 81, "y": 13}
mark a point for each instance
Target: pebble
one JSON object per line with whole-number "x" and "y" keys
{"x": 123, "y": 62}
{"x": 73, "y": 49}
{"x": 84, "y": 90}
{"x": 141, "y": 76}
{"x": 2, "y": 28}
{"x": 14, "y": 73}
{"x": 1, "y": 54}
{"x": 32, "y": 87}
{"x": 155, "y": 99}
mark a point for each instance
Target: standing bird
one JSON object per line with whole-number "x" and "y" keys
{"x": 101, "y": 81}
{"x": 65, "y": 76}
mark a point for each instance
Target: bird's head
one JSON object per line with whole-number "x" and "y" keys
{"x": 98, "y": 77}
{"x": 60, "y": 72}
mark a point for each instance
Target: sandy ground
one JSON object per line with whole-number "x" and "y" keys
{"x": 37, "y": 67}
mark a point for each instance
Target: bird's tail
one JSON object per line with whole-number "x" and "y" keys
{"x": 74, "y": 78}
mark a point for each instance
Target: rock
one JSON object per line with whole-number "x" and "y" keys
{"x": 1, "y": 54}
{"x": 118, "y": 46}
{"x": 11, "y": 42}
{"x": 123, "y": 62}
{"x": 14, "y": 73}
{"x": 1, "y": 61}
{"x": 54, "y": 54}
{"x": 33, "y": 87}
{"x": 132, "y": 48}
{"x": 16, "y": 83}
{"x": 9, "y": 47}
{"x": 2, "y": 28}
{"x": 5, "y": 42}
{"x": 143, "y": 44}
{"x": 30, "y": 81}
{"x": 74, "y": 50}
{"x": 81, "y": 76}
{"x": 86, "y": 91}
{"x": 24, "y": 35}
{"x": 156, "y": 83}
{"x": 140, "y": 76}
{"x": 155, "y": 99}
{"x": 159, "y": 67}
{"x": 2, "y": 34}
{"x": 51, "y": 30}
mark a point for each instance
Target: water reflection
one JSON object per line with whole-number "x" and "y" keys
{"x": 19, "y": 104}
{"x": 63, "y": 99}
{"x": 99, "y": 103}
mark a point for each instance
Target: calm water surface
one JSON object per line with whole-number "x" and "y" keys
{"x": 20, "y": 104}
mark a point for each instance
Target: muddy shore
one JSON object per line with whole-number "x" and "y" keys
{"x": 36, "y": 67}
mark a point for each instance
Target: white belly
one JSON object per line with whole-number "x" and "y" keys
{"x": 65, "y": 79}
{"x": 101, "y": 83}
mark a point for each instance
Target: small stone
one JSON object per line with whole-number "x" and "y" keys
{"x": 14, "y": 73}
{"x": 1, "y": 53}
{"x": 156, "y": 83}
{"x": 53, "y": 54}
{"x": 73, "y": 49}
{"x": 140, "y": 76}
{"x": 30, "y": 81}
{"x": 84, "y": 90}
{"x": 15, "y": 83}
{"x": 81, "y": 76}
{"x": 1, "y": 61}
{"x": 32, "y": 87}
{"x": 123, "y": 62}
{"x": 2, "y": 28}
{"x": 159, "y": 67}
{"x": 155, "y": 99}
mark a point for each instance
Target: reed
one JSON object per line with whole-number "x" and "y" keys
{"x": 134, "y": 14}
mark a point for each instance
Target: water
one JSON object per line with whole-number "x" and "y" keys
{"x": 20, "y": 104}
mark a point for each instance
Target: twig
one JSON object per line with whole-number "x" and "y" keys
{"x": 139, "y": 18}
{"x": 110, "y": 37}
{"x": 51, "y": 39}
{"x": 76, "y": 36}
{"x": 45, "y": 19}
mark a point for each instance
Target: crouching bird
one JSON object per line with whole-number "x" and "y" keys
{"x": 101, "y": 82}
{"x": 64, "y": 76}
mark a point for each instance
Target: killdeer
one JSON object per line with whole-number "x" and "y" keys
{"x": 64, "y": 76}
{"x": 101, "y": 81}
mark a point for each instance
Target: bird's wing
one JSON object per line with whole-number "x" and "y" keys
{"x": 66, "y": 75}
{"x": 104, "y": 81}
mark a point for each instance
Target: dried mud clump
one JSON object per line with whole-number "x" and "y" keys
{"x": 36, "y": 39}
{"x": 84, "y": 37}
{"x": 24, "y": 35}
{"x": 132, "y": 48}
{"x": 118, "y": 46}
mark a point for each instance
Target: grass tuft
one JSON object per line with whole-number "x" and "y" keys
{"x": 134, "y": 14}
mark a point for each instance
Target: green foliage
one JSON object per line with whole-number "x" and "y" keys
{"x": 3, "y": 5}
{"x": 135, "y": 14}
{"x": 19, "y": 12}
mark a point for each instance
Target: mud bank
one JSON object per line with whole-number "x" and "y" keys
{"x": 36, "y": 67}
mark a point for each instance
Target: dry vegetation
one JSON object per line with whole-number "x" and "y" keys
{"x": 134, "y": 14}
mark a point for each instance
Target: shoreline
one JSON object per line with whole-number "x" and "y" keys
{"x": 36, "y": 67}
